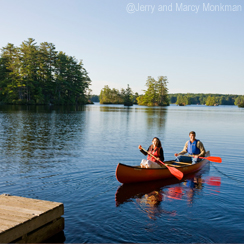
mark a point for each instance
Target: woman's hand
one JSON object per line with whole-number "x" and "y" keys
{"x": 140, "y": 147}
{"x": 176, "y": 154}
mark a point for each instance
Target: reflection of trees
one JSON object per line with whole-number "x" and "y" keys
{"x": 119, "y": 110}
{"x": 156, "y": 116}
{"x": 113, "y": 108}
{"x": 39, "y": 133}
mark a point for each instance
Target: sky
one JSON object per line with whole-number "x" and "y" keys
{"x": 198, "y": 48}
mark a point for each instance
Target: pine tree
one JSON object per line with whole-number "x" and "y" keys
{"x": 128, "y": 96}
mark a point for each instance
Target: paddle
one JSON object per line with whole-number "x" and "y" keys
{"x": 175, "y": 172}
{"x": 210, "y": 158}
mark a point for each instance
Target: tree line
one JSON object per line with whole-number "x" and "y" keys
{"x": 206, "y": 99}
{"x": 177, "y": 98}
{"x": 32, "y": 74}
{"x": 155, "y": 95}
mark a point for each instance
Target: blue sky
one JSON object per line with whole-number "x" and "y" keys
{"x": 199, "y": 52}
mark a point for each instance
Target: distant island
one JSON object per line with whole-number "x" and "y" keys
{"x": 32, "y": 74}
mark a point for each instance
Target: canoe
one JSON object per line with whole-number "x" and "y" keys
{"x": 130, "y": 174}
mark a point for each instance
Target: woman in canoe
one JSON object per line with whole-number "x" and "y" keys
{"x": 157, "y": 151}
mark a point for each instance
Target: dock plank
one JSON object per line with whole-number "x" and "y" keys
{"x": 15, "y": 213}
{"x": 20, "y": 216}
{"x": 21, "y": 210}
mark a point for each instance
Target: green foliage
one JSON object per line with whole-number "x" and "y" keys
{"x": 114, "y": 96}
{"x": 208, "y": 99}
{"x": 32, "y": 74}
{"x": 211, "y": 101}
{"x": 136, "y": 95}
{"x": 239, "y": 101}
{"x": 183, "y": 100}
{"x": 128, "y": 96}
{"x": 156, "y": 93}
{"x": 110, "y": 96}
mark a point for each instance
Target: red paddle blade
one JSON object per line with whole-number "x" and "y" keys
{"x": 175, "y": 172}
{"x": 214, "y": 159}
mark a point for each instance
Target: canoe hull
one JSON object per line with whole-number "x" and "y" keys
{"x": 131, "y": 174}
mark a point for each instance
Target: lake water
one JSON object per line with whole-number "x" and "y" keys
{"x": 69, "y": 155}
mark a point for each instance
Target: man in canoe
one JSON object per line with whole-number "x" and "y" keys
{"x": 194, "y": 148}
{"x": 157, "y": 151}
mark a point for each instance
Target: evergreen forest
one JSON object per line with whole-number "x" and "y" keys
{"x": 38, "y": 74}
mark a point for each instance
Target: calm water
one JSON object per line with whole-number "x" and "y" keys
{"x": 70, "y": 154}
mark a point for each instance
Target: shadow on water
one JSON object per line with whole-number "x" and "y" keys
{"x": 58, "y": 238}
{"x": 150, "y": 195}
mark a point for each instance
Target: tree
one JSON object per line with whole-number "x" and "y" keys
{"x": 29, "y": 67}
{"x": 109, "y": 96}
{"x": 10, "y": 78}
{"x": 162, "y": 91}
{"x": 211, "y": 101}
{"x": 47, "y": 59}
{"x": 128, "y": 96}
{"x": 156, "y": 93}
{"x": 239, "y": 101}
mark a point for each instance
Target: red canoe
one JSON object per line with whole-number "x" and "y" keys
{"x": 130, "y": 174}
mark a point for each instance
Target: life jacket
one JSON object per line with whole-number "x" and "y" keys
{"x": 192, "y": 148}
{"x": 155, "y": 152}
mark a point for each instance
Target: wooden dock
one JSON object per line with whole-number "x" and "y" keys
{"x": 25, "y": 220}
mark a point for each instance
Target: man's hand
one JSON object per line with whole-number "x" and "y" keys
{"x": 140, "y": 147}
{"x": 176, "y": 154}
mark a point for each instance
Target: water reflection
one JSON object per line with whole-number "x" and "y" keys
{"x": 41, "y": 108}
{"x": 113, "y": 108}
{"x": 150, "y": 195}
{"x": 150, "y": 203}
{"x": 213, "y": 184}
{"x": 39, "y": 133}
{"x": 156, "y": 116}
{"x": 193, "y": 186}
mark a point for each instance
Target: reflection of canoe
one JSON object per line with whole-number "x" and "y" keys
{"x": 136, "y": 190}
{"x": 130, "y": 174}
{"x": 127, "y": 192}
